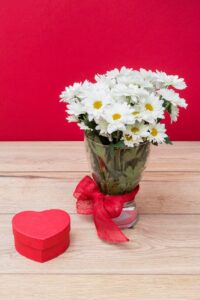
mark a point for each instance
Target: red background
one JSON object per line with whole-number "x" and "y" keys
{"x": 47, "y": 44}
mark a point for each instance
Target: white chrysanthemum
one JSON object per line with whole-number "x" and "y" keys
{"x": 83, "y": 126}
{"x": 131, "y": 140}
{"x": 95, "y": 100}
{"x": 116, "y": 73}
{"x": 157, "y": 133}
{"x": 170, "y": 80}
{"x": 137, "y": 79}
{"x": 174, "y": 113}
{"x": 148, "y": 75}
{"x": 151, "y": 108}
{"x": 126, "y": 100}
{"x": 172, "y": 97}
{"x": 133, "y": 92}
{"x": 136, "y": 113}
{"x": 75, "y": 108}
{"x": 117, "y": 115}
{"x": 102, "y": 79}
{"x": 73, "y": 91}
{"x": 102, "y": 126}
{"x": 71, "y": 119}
{"x": 138, "y": 129}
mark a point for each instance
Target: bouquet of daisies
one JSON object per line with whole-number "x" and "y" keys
{"x": 125, "y": 106}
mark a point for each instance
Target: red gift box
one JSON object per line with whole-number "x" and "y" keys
{"x": 43, "y": 235}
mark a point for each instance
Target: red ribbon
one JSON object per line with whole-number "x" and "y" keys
{"x": 90, "y": 201}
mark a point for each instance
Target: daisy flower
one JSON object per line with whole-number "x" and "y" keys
{"x": 102, "y": 79}
{"x": 148, "y": 75}
{"x": 95, "y": 100}
{"x": 117, "y": 115}
{"x": 170, "y": 80}
{"x": 83, "y": 126}
{"x": 75, "y": 108}
{"x": 138, "y": 129}
{"x": 157, "y": 133}
{"x": 137, "y": 79}
{"x": 102, "y": 126}
{"x": 129, "y": 102}
{"x": 172, "y": 97}
{"x": 131, "y": 140}
{"x": 121, "y": 91}
{"x": 117, "y": 74}
{"x": 72, "y": 118}
{"x": 73, "y": 91}
{"x": 152, "y": 108}
{"x": 174, "y": 113}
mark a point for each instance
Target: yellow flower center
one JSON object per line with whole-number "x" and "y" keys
{"x": 97, "y": 104}
{"x": 148, "y": 106}
{"x": 154, "y": 132}
{"x": 128, "y": 137}
{"x": 116, "y": 116}
{"x": 135, "y": 113}
{"x": 134, "y": 129}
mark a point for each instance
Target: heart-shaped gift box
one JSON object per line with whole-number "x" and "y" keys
{"x": 43, "y": 235}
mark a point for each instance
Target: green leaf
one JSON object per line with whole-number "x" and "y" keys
{"x": 167, "y": 141}
{"x": 119, "y": 145}
{"x": 168, "y": 106}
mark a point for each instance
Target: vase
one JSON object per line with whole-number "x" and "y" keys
{"x": 117, "y": 171}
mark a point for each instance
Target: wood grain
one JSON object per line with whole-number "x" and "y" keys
{"x": 161, "y": 192}
{"x": 65, "y": 156}
{"x": 99, "y": 287}
{"x": 162, "y": 260}
{"x": 160, "y": 244}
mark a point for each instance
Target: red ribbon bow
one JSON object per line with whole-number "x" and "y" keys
{"x": 103, "y": 208}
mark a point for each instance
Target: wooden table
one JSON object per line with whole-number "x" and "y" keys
{"x": 162, "y": 261}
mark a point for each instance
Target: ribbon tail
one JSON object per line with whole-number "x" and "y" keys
{"x": 107, "y": 230}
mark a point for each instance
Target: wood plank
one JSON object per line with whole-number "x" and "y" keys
{"x": 71, "y": 156}
{"x": 161, "y": 192}
{"x": 160, "y": 244}
{"x": 99, "y": 287}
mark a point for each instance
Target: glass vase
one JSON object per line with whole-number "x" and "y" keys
{"x": 117, "y": 171}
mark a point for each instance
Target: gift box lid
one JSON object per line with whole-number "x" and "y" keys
{"x": 41, "y": 230}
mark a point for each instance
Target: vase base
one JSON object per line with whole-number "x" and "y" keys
{"x": 128, "y": 218}
{"x": 131, "y": 225}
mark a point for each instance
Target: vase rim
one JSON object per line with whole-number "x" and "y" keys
{"x": 125, "y": 147}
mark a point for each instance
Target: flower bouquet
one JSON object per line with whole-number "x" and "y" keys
{"x": 121, "y": 114}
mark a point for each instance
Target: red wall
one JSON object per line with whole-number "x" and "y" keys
{"x": 47, "y": 44}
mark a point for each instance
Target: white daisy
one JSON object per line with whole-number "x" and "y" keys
{"x": 148, "y": 75}
{"x": 83, "y": 126}
{"x": 138, "y": 129}
{"x": 117, "y": 74}
{"x": 170, "y": 80}
{"x": 131, "y": 140}
{"x": 138, "y": 93}
{"x": 95, "y": 100}
{"x": 71, "y": 119}
{"x": 117, "y": 115}
{"x": 70, "y": 92}
{"x": 172, "y": 97}
{"x": 137, "y": 79}
{"x": 102, "y": 79}
{"x": 102, "y": 126}
{"x": 174, "y": 113}
{"x": 157, "y": 133}
{"x": 122, "y": 91}
{"x": 75, "y": 108}
{"x": 136, "y": 113}
{"x": 73, "y": 91}
{"x": 151, "y": 108}
{"x": 129, "y": 101}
